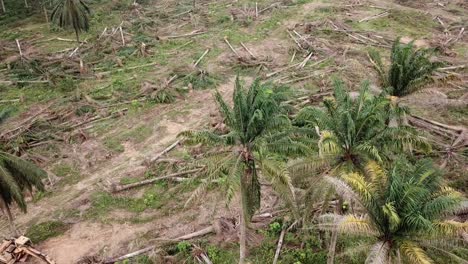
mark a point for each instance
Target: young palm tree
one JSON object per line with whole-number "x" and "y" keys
{"x": 406, "y": 211}
{"x": 16, "y": 176}
{"x": 72, "y": 14}
{"x": 258, "y": 128}
{"x": 409, "y": 68}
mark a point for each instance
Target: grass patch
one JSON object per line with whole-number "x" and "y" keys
{"x": 69, "y": 174}
{"x": 103, "y": 203}
{"x": 114, "y": 145}
{"x": 45, "y": 230}
{"x": 402, "y": 22}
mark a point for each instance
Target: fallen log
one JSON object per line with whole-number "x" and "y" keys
{"x": 201, "y": 57}
{"x": 116, "y": 189}
{"x": 192, "y": 34}
{"x": 231, "y": 47}
{"x": 130, "y": 255}
{"x": 160, "y": 154}
{"x": 280, "y": 244}
{"x": 202, "y": 232}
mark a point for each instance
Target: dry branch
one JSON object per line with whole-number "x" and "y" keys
{"x": 201, "y": 57}
{"x": 248, "y": 51}
{"x": 191, "y": 34}
{"x": 383, "y": 14}
{"x": 116, "y": 189}
{"x": 231, "y": 47}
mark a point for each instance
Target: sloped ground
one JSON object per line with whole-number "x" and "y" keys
{"x": 99, "y": 224}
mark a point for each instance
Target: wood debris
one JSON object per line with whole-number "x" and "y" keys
{"x": 20, "y": 250}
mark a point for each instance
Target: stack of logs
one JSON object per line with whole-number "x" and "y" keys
{"x": 20, "y": 250}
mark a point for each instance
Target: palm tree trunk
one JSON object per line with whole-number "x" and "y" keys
{"x": 243, "y": 230}
{"x": 6, "y": 210}
{"x": 332, "y": 248}
{"x": 334, "y": 237}
{"x": 46, "y": 16}
{"x": 3, "y": 6}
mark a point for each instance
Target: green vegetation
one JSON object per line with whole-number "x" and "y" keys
{"x": 45, "y": 230}
{"x": 407, "y": 207}
{"x": 16, "y": 176}
{"x": 409, "y": 68}
{"x": 73, "y": 14}
{"x": 69, "y": 174}
{"x": 258, "y": 128}
{"x": 346, "y": 161}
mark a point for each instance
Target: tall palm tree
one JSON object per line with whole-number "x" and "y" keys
{"x": 258, "y": 128}
{"x": 406, "y": 211}
{"x": 16, "y": 176}
{"x": 409, "y": 68}
{"x": 72, "y": 14}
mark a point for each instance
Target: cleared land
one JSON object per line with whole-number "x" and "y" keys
{"x": 146, "y": 72}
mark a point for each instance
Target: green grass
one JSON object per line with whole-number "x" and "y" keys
{"x": 114, "y": 145}
{"x": 402, "y": 22}
{"x": 102, "y": 203}
{"x": 68, "y": 173}
{"x": 45, "y": 230}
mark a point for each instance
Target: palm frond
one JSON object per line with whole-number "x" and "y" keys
{"x": 414, "y": 253}
{"x": 379, "y": 253}
{"x": 72, "y": 14}
{"x": 347, "y": 224}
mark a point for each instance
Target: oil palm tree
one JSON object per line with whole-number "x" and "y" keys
{"x": 72, "y": 14}
{"x": 349, "y": 132}
{"x": 405, "y": 212}
{"x": 16, "y": 176}
{"x": 409, "y": 68}
{"x": 258, "y": 128}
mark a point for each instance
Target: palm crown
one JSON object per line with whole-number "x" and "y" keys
{"x": 408, "y": 69}
{"x": 351, "y": 131}
{"x": 405, "y": 208}
{"x": 73, "y": 14}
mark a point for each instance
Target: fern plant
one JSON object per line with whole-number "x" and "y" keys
{"x": 16, "y": 176}
{"x": 409, "y": 68}
{"x": 406, "y": 211}
{"x": 258, "y": 130}
{"x": 72, "y": 14}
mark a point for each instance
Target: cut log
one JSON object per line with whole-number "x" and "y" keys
{"x": 130, "y": 255}
{"x": 115, "y": 189}
{"x": 159, "y": 155}
{"x": 280, "y": 244}
{"x": 202, "y": 232}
